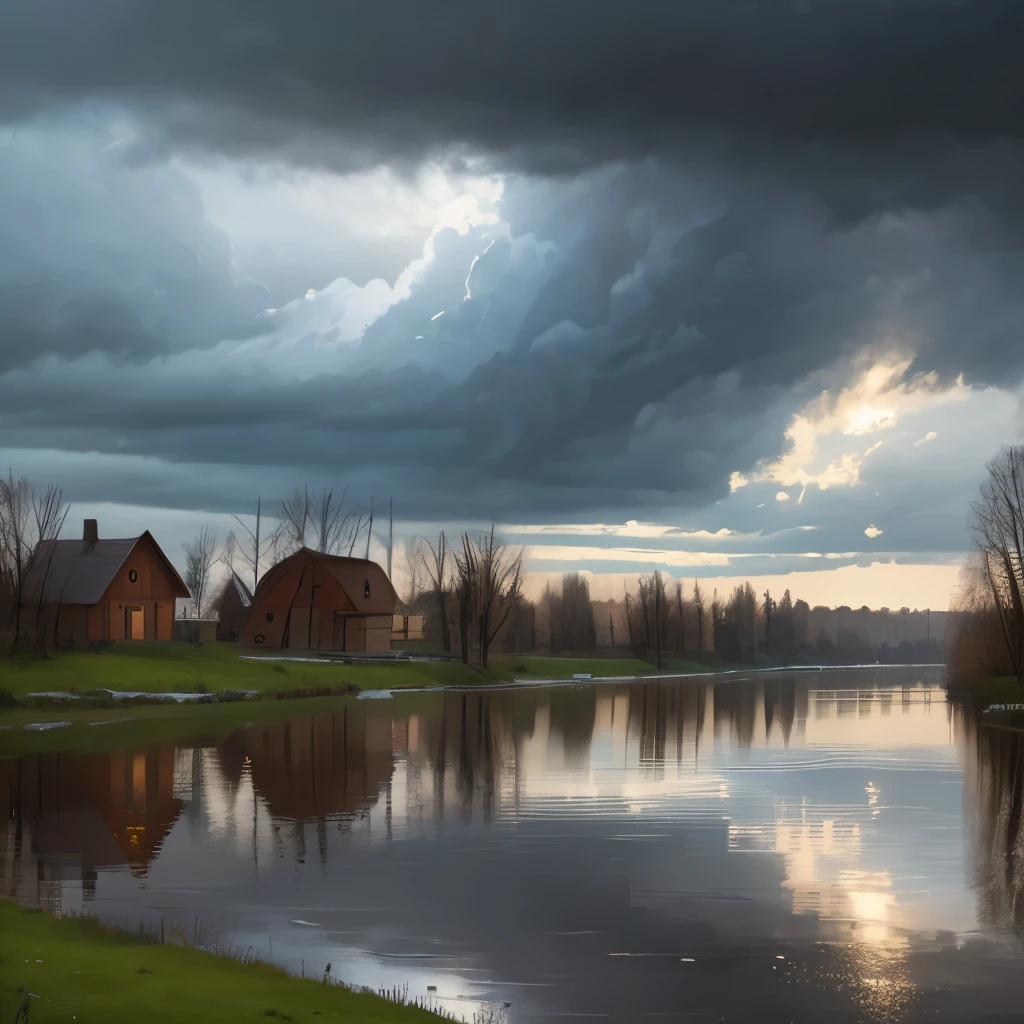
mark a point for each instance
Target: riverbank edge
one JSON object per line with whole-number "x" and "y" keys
{"x": 123, "y": 677}
{"x": 107, "y": 699}
{"x": 54, "y": 968}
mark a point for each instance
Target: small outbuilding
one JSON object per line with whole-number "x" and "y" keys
{"x": 93, "y": 590}
{"x": 313, "y": 601}
{"x": 232, "y": 608}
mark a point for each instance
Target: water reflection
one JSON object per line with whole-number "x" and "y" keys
{"x": 789, "y": 845}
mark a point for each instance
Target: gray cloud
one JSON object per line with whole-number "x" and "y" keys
{"x": 704, "y": 205}
{"x": 97, "y": 256}
{"x": 645, "y": 343}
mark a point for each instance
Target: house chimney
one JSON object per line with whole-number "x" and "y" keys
{"x": 90, "y": 532}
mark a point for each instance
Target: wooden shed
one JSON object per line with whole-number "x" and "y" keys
{"x": 232, "y": 607}
{"x": 92, "y": 589}
{"x": 313, "y": 601}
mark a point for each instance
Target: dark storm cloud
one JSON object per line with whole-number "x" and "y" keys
{"x": 630, "y": 355}
{"x": 738, "y": 196}
{"x": 875, "y": 101}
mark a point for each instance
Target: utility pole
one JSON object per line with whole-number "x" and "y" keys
{"x": 369, "y": 529}
{"x": 611, "y": 629}
{"x": 657, "y": 615}
{"x": 391, "y": 531}
{"x": 256, "y": 550}
{"x": 928, "y": 622}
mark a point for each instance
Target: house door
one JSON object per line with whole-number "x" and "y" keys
{"x": 134, "y": 624}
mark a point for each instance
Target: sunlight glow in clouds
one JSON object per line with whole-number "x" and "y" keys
{"x": 876, "y": 401}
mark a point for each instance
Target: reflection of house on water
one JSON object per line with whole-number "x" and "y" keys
{"x": 373, "y": 771}
{"x": 66, "y": 816}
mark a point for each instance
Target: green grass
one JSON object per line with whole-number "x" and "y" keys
{"x": 83, "y": 972}
{"x": 103, "y": 725}
{"x": 214, "y": 668}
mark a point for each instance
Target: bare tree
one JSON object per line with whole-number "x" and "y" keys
{"x": 416, "y": 569}
{"x": 976, "y": 637}
{"x": 698, "y": 600}
{"x": 579, "y": 631}
{"x": 200, "y": 555}
{"x": 490, "y": 576}
{"x": 294, "y": 520}
{"x": 255, "y": 548}
{"x": 438, "y": 570}
{"x": 998, "y": 531}
{"x": 335, "y": 523}
{"x": 465, "y": 596}
{"x": 29, "y": 518}
{"x": 679, "y": 610}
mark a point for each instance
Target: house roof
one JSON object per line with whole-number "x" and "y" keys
{"x": 244, "y": 594}
{"x": 77, "y": 572}
{"x": 352, "y": 574}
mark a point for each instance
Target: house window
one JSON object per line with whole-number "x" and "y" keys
{"x": 366, "y": 588}
{"x": 270, "y": 616}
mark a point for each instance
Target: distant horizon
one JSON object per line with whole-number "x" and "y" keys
{"x": 877, "y": 584}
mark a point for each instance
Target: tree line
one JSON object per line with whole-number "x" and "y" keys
{"x": 987, "y": 631}
{"x": 664, "y": 620}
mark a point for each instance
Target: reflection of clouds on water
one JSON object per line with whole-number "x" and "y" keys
{"x": 486, "y": 842}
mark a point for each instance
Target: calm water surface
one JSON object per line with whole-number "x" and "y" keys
{"x": 827, "y": 846}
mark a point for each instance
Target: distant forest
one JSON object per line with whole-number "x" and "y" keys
{"x": 665, "y": 620}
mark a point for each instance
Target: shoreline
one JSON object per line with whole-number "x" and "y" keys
{"x": 68, "y": 967}
{"x": 59, "y": 726}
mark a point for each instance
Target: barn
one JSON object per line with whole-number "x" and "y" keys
{"x": 313, "y": 601}
{"x": 92, "y": 590}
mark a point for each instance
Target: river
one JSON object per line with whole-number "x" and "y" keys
{"x": 817, "y": 846}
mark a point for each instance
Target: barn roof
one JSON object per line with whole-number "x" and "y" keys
{"x": 79, "y": 572}
{"x": 352, "y": 574}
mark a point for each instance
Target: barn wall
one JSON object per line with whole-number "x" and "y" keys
{"x": 378, "y": 633}
{"x": 314, "y": 596}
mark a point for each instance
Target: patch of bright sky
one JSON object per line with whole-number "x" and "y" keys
{"x": 882, "y": 394}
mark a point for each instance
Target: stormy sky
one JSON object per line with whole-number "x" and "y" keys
{"x": 723, "y": 288}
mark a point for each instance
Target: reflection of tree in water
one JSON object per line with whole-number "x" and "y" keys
{"x": 994, "y": 796}
{"x": 780, "y": 704}
{"x": 572, "y": 715}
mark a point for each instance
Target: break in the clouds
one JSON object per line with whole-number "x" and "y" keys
{"x": 737, "y": 270}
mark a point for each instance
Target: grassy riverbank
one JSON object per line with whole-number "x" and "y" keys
{"x": 213, "y": 668}
{"x": 217, "y": 668}
{"x": 77, "y": 970}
